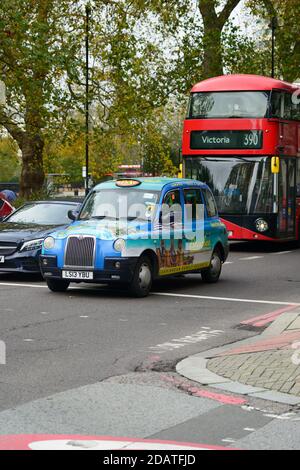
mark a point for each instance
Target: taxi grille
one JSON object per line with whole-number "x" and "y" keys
{"x": 80, "y": 252}
{"x": 7, "y": 248}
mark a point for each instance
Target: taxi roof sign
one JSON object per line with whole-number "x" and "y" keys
{"x": 128, "y": 183}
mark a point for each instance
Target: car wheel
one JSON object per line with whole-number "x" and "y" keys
{"x": 213, "y": 273}
{"x": 57, "y": 285}
{"x": 142, "y": 279}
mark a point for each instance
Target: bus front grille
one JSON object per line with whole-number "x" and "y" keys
{"x": 80, "y": 252}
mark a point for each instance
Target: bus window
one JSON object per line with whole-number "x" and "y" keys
{"x": 298, "y": 178}
{"x": 277, "y": 104}
{"x": 281, "y": 105}
{"x": 296, "y": 111}
{"x": 287, "y": 106}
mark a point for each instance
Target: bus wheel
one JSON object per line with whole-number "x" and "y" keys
{"x": 57, "y": 285}
{"x": 213, "y": 273}
{"x": 142, "y": 279}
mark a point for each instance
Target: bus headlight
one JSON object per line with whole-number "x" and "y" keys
{"x": 119, "y": 245}
{"x": 262, "y": 225}
{"x": 49, "y": 243}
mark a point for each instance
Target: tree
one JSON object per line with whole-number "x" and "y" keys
{"x": 9, "y": 160}
{"x": 285, "y": 13}
{"x": 34, "y": 45}
{"x": 213, "y": 24}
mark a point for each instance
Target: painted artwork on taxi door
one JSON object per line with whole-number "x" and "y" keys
{"x": 177, "y": 256}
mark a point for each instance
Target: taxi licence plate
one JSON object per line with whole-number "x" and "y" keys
{"x": 83, "y": 275}
{"x": 2, "y": 259}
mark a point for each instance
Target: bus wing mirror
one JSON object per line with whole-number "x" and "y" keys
{"x": 275, "y": 165}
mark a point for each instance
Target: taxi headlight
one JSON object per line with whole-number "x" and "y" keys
{"x": 119, "y": 244}
{"x": 49, "y": 243}
{"x": 262, "y": 225}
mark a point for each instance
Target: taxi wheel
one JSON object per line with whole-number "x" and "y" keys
{"x": 57, "y": 285}
{"x": 213, "y": 273}
{"x": 142, "y": 279}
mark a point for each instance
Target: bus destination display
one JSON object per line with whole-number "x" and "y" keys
{"x": 206, "y": 140}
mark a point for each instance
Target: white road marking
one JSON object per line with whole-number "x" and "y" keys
{"x": 250, "y": 258}
{"x": 283, "y": 252}
{"x": 178, "y": 343}
{"x": 28, "y": 340}
{"x": 84, "y": 316}
{"x": 170, "y": 294}
{"x": 224, "y": 299}
{"x": 230, "y": 441}
{"x": 228, "y": 262}
{"x": 249, "y": 429}
{"x": 16, "y": 284}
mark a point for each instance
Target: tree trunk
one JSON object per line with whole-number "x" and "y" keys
{"x": 214, "y": 23}
{"x": 32, "y": 176}
{"x": 212, "y": 60}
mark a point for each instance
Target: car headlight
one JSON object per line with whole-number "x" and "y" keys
{"x": 119, "y": 244}
{"x": 32, "y": 245}
{"x": 262, "y": 225}
{"x": 49, "y": 243}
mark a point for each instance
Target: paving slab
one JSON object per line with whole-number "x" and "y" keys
{"x": 295, "y": 325}
{"x": 237, "y": 387}
{"x": 278, "y": 397}
{"x": 281, "y": 324}
{"x": 195, "y": 369}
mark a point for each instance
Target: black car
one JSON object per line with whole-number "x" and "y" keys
{"x": 22, "y": 233}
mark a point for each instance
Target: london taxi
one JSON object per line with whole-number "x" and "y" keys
{"x": 131, "y": 232}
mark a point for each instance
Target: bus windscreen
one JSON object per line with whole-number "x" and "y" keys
{"x": 229, "y": 105}
{"x": 240, "y": 185}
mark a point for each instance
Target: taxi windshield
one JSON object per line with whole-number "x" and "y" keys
{"x": 116, "y": 204}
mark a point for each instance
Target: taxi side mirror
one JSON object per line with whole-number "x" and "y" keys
{"x": 275, "y": 165}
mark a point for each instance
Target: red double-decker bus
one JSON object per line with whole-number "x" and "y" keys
{"x": 242, "y": 137}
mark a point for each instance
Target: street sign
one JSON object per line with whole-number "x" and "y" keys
{"x": 84, "y": 172}
{"x": 2, "y": 94}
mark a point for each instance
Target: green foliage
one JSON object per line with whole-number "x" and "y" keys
{"x": 9, "y": 160}
{"x": 145, "y": 55}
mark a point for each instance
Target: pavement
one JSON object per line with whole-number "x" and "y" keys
{"x": 266, "y": 366}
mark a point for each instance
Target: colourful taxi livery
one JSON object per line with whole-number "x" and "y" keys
{"x": 133, "y": 231}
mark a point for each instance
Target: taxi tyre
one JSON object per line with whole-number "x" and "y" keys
{"x": 57, "y": 285}
{"x": 212, "y": 274}
{"x": 141, "y": 283}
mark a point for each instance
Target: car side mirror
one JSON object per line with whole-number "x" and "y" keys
{"x": 73, "y": 215}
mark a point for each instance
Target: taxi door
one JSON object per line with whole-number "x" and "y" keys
{"x": 170, "y": 252}
{"x": 197, "y": 229}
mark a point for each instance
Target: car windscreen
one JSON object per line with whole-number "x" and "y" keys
{"x": 120, "y": 203}
{"x": 42, "y": 214}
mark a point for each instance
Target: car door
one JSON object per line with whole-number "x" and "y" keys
{"x": 196, "y": 228}
{"x": 211, "y": 221}
{"x": 170, "y": 251}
